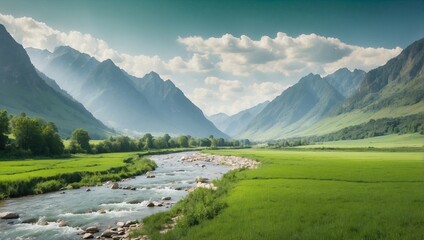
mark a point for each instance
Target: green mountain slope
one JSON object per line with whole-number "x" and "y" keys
{"x": 398, "y": 83}
{"x": 23, "y": 90}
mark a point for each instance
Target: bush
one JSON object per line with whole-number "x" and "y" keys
{"x": 48, "y": 186}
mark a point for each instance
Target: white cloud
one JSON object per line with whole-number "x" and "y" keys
{"x": 287, "y": 55}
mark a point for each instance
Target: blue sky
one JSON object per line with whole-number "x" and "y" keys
{"x": 225, "y": 55}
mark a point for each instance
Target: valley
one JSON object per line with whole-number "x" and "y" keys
{"x": 191, "y": 120}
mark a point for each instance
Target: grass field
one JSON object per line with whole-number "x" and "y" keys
{"x": 415, "y": 140}
{"x": 24, "y": 169}
{"x": 322, "y": 195}
{"x": 34, "y": 176}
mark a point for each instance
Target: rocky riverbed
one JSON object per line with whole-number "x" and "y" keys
{"x": 234, "y": 161}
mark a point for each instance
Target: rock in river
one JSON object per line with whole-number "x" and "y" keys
{"x": 9, "y": 215}
{"x": 115, "y": 186}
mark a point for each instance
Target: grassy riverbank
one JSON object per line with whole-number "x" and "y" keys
{"x": 35, "y": 176}
{"x": 316, "y": 195}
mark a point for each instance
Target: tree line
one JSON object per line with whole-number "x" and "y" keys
{"x": 23, "y": 136}
{"x": 149, "y": 142}
{"x": 372, "y": 128}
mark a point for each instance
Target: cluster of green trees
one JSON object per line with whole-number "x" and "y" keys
{"x": 372, "y": 128}
{"x": 32, "y": 136}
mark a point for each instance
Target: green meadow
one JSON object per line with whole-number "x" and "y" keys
{"x": 29, "y": 168}
{"x": 319, "y": 195}
{"x": 414, "y": 140}
{"x": 35, "y": 176}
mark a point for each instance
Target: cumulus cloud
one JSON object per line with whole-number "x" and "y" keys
{"x": 287, "y": 55}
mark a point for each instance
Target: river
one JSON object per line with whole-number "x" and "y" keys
{"x": 80, "y": 208}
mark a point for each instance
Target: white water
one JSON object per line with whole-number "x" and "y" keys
{"x": 79, "y": 207}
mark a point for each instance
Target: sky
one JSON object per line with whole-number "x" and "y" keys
{"x": 225, "y": 56}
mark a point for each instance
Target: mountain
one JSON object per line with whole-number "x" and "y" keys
{"x": 298, "y": 107}
{"x": 398, "y": 83}
{"x": 171, "y": 104}
{"x": 23, "y": 90}
{"x": 393, "y": 90}
{"x": 235, "y": 124}
{"x": 125, "y": 102}
{"x": 345, "y": 81}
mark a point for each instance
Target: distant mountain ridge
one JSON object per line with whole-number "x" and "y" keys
{"x": 22, "y": 89}
{"x": 128, "y": 103}
{"x": 345, "y": 81}
{"x": 235, "y": 124}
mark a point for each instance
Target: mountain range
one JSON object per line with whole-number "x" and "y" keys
{"x": 73, "y": 90}
{"x": 316, "y": 106}
{"x": 122, "y": 101}
{"x": 22, "y": 89}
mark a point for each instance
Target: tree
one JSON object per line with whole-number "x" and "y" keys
{"x": 140, "y": 144}
{"x": 193, "y": 142}
{"x": 81, "y": 137}
{"x": 221, "y": 142}
{"x": 182, "y": 141}
{"x": 160, "y": 143}
{"x": 172, "y": 143}
{"x": 52, "y": 140}
{"x": 166, "y": 139}
{"x": 205, "y": 142}
{"x": 4, "y": 129}
{"x": 148, "y": 141}
{"x": 28, "y": 133}
{"x": 214, "y": 143}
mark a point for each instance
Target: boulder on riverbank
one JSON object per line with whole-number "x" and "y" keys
{"x": 87, "y": 236}
{"x": 92, "y": 229}
{"x": 115, "y": 186}
{"x": 108, "y": 233}
{"x": 8, "y": 215}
